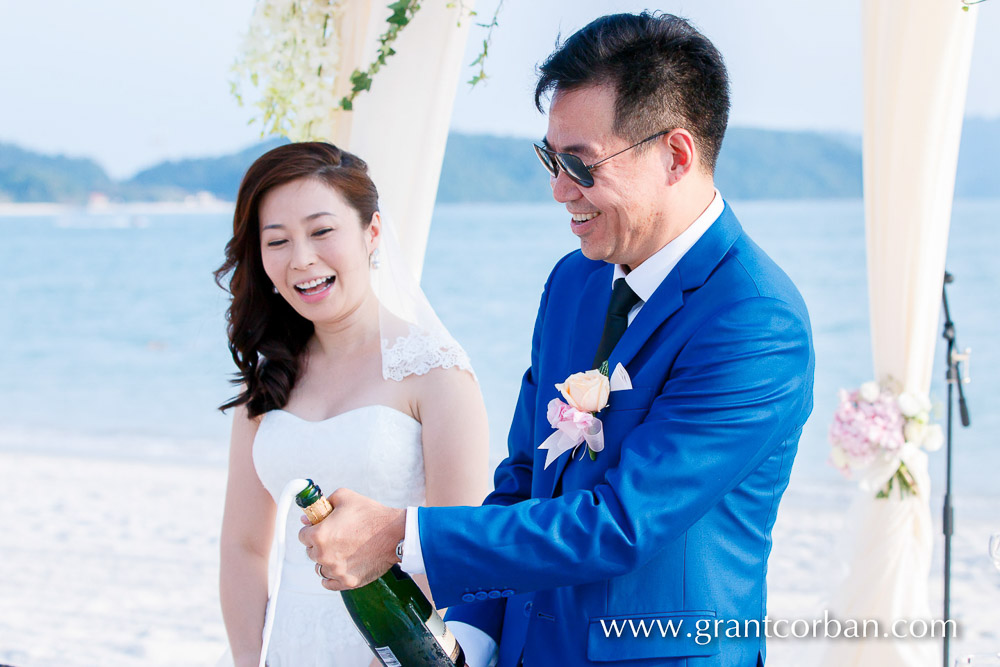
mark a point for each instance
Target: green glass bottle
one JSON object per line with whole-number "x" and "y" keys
{"x": 394, "y": 616}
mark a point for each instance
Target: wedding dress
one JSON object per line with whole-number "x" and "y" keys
{"x": 374, "y": 450}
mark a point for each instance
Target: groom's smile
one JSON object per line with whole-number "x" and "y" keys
{"x": 581, "y": 218}
{"x": 581, "y": 222}
{"x": 616, "y": 217}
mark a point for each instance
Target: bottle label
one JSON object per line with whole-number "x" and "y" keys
{"x": 387, "y": 657}
{"x": 443, "y": 635}
{"x": 449, "y": 644}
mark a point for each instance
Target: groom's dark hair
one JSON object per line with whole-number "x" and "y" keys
{"x": 666, "y": 75}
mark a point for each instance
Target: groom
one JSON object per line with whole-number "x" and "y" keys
{"x": 652, "y": 552}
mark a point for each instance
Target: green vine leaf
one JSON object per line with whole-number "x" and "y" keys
{"x": 481, "y": 58}
{"x": 403, "y": 12}
{"x": 361, "y": 81}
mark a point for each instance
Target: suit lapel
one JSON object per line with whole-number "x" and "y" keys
{"x": 692, "y": 271}
{"x": 583, "y": 331}
{"x": 665, "y": 301}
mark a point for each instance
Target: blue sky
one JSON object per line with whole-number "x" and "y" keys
{"x": 133, "y": 83}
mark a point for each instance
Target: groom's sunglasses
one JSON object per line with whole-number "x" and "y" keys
{"x": 575, "y": 168}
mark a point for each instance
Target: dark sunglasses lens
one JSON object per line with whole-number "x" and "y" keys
{"x": 546, "y": 160}
{"x": 576, "y": 169}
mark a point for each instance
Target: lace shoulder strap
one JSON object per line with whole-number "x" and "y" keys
{"x": 420, "y": 351}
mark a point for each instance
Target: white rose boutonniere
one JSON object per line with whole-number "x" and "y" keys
{"x": 587, "y": 392}
{"x": 573, "y": 419}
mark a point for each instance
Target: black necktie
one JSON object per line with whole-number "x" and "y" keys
{"x": 622, "y": 300}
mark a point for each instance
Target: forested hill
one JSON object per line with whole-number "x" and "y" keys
{"x": 754, "y": 164}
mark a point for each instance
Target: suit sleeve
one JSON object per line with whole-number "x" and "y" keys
{"x": 512, "y": 480}
{"x": 737, "y": 390}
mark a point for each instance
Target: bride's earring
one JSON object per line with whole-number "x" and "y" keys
{"x": 374, "y": 260}
{"x": 274, "y": 289}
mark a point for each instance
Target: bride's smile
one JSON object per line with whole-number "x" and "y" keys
{"x": 315, "y": 249}
{"x": 314, "y": 290}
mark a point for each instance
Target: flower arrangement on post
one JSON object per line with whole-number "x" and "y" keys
{"x": 879, "y": 433}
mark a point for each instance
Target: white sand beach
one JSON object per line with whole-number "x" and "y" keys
{"x": 109, "y": 563}
{"x": 114, "y": 563}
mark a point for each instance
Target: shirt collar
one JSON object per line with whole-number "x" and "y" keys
{"x": 645, "y": 278}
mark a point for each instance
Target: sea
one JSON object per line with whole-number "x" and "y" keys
{"x": 112, "y": 331}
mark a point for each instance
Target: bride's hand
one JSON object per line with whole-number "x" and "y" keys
{"x": 375, "y": 663}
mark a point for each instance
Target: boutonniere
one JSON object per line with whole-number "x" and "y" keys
{"x": 574, "y": 419}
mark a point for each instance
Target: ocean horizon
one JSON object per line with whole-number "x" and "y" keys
{"x": 114, "y": 335}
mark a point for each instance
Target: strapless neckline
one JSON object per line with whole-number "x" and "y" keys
{"x": 346, "y": 413}
{"x": 374, "y": 450}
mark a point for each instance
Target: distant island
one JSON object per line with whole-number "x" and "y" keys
{"x": 754, "y": 164}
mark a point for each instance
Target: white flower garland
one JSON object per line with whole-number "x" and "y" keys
{"x": 290, "y": 53}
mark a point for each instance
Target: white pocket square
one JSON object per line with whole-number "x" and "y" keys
{"x": 620, "y": 380}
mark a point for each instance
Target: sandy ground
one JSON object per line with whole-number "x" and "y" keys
{"x": 109, "y": 563}
{"x": 115, "y": 563}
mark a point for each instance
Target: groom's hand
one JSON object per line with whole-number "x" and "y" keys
{"x": 356, "y": 544}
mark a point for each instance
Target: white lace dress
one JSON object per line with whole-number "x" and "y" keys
{"x": 374, "y": 450}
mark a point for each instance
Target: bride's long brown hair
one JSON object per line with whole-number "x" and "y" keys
{"x": 266, "y": 335}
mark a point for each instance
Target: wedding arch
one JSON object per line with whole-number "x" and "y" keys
{"x": 916, "y": 63}
{"x": 917, "y": 55}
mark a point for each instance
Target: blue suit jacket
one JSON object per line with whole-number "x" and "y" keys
{"x": 669, "y": 530}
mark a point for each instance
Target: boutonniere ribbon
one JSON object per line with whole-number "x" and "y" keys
{"x": 574, "y": 419}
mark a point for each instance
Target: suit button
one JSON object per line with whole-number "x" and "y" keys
{"x": 468, "y": 597}
{"x": 507, "y": 593}
{"x": 527, "y": 609}
{"x": 481, "y": 595}
{"x": 494, "y": 595}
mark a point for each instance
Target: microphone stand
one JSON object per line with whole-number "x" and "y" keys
{"x": 953, "y": 375}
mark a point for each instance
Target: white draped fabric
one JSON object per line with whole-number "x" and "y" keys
{"x": 916, "y": 57}
{"x": 400, "y": 126}
{"x": 891, "y": 554}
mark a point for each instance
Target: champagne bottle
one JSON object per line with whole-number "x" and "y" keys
{"x": 394, "y": 616}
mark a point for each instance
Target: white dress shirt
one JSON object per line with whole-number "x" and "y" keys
{"x": 645, "y": 278}
{"x": 480, "y": 649}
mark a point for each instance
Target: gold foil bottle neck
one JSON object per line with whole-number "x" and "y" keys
{"x": 318, "y": 511}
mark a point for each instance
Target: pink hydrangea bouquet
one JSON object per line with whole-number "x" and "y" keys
{"x": 880, "y": 434}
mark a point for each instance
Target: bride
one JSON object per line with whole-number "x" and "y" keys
{"x": 339, "y": 384}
